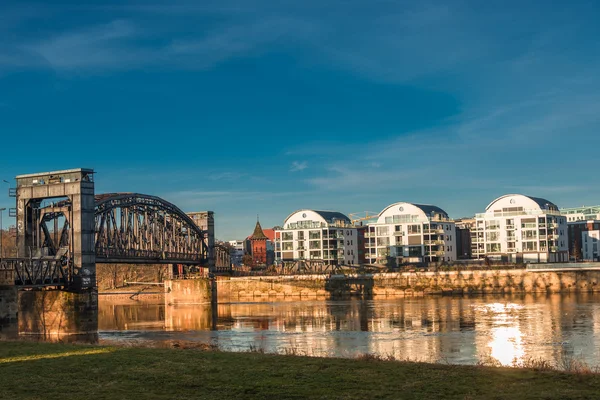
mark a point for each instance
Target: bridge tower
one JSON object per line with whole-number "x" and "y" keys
{"x": 55, "y": 228}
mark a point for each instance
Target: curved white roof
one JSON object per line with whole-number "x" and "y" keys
{"x": 327, "y": 217}
{"x": 424, "y": 211}
{"x": 521, "y": 200}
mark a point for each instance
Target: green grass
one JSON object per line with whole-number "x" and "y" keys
{"x": 60, "y": 371}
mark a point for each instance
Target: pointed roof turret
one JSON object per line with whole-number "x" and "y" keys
{"x": 258, "y": 233}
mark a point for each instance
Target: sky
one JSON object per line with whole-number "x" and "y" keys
{"x": 255, "y": 107}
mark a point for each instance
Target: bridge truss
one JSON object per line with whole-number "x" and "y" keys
{"x": 137, "y": 228}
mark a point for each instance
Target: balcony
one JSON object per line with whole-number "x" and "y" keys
{"x": 432, "y": 231}
{"x": 397, "y": 233}
{"x": 435, "y": 253}
{"x": 552, "y": 225}
{"x": 432, "y": 242}
{"x": 523, "y": 212}
{"x": 553, "y": 249}
{"x": 510, "y": 227}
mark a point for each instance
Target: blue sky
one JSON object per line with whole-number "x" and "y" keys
{"x": 260, "y": 107}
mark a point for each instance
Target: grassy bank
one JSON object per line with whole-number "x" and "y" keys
{"x": 49, "y": 371}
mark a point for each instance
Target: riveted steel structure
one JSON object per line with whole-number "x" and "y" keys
{"x": 55, "y": 230}
{"x": 138, "y": 228}
{"x": 64, "y": 229}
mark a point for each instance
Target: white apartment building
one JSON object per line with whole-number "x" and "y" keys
{"x": 519, "y": 228}
{"x": 237, "y": 252}
{"x": 326, "y": 236}
{"x": 406, "y": 232}
{"x": 590, "y": 245}
{"x": 584, "y": 213}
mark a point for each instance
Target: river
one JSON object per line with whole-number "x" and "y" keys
{"x": 457, "y": 330}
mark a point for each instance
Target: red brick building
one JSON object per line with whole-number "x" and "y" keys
{"x": 258, "y": 244}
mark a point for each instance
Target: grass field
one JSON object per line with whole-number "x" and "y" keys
{"x": 59, "y": 371}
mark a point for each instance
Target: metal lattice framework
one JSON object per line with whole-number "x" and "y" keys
{"x": 138, "y": 228}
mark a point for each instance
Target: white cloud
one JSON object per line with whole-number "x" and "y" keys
{"x": 298, "y": 166}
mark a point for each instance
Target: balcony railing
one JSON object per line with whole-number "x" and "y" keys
{"x": 430, "y": 231}
{"x": 397, "y": 233}
{"x": 553, "y": 249}
{"x": 523, "y": 212}
{"x": 510, "y": 227}
{"x": 433, "y": 242}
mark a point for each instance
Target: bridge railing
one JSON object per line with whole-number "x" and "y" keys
{"x": 149, "y": 255}
{"x": 37, "y": 272}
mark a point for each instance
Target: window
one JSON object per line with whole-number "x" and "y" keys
{"x": 383, "y": 241}
{"x": 287, "y": 236}
{"x": 382, "y": 231}
{"x": 414, "y": 229}
{"x": 492, "y": 236}
{"x": 491, "y": 225}
{"x": 493, "y": 247}
{"x": 314, "y": 235}
{"x": 288, "y": 246}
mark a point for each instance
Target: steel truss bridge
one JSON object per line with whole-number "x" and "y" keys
{"x": 130, "y": 228}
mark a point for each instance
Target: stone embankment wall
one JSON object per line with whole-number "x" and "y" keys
{"x": 485, "y": 282}
{"x": 385, "y": 284}
{"x": 187, "y": 291}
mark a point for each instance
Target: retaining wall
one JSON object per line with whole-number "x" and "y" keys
{"x": 384, "y": 284}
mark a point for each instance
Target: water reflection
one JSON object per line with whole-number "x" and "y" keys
{"x": 435, "y": 329}
{"x": 508, "y": 329}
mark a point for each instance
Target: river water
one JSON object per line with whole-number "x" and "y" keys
{"x": 457, "y": 330}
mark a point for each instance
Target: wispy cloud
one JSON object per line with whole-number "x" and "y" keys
{"x": 128, "y": 44}
{"x": 226, "y": 176}
{"x": 298, "y": 166}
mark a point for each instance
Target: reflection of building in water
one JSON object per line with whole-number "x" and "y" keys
{"x": 126, "y": 315}
{"x": 436, "y": 329}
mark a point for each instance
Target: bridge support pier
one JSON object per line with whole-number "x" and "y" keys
{"x": 54, "y": 315}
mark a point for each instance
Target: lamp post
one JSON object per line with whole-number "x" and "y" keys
{"x": 1, "y": 246}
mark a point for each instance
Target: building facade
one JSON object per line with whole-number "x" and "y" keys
{"x": 410, "y": 233}
{"x": 205, "y": 220}
{"x": 258, "y": 246}
{"x": 583, "y": 239}
{"x": 585, "y": 213}
{"x": 325, "y": 236}
{"x": 463, "y": 238}
{"x": 237, "y": 252}
{"x": 519, "y": 228}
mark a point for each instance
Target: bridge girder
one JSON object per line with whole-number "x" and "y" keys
{"x": 138, "y": 228}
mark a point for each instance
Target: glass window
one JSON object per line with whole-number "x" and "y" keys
{"x": 287, "y": 236}
{"x": 414, "y": 229}
{"x": 382, "y": 230}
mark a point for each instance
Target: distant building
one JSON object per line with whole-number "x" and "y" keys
{"x": 463, "y": 237}
{"x": 205, "y": 220}
{"x": 584, "y": 213}
{"x": 326, "y": 236}
{"x": 410, "y": 233}
{"x": 519, "y": 228}
{"x": 237, "y": 252}
{"x": 258, "y": 246}
{"x": 583, "y": 239}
